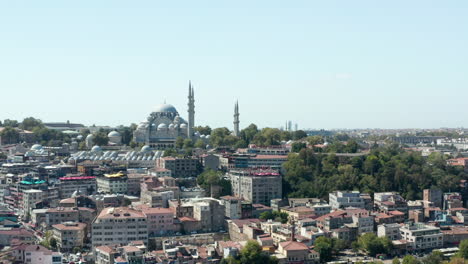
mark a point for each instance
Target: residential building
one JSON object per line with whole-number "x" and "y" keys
{"x": 160, "y": 220}
{"x": 342, "y": 199}
{"x": 81, "y": 184}
{"x": 30, "y": 199}
{"x": 112, "y": 183}
{"x": 392, "y": 231}
{"x": 35, "y": 254}
{"x": 291, "y": 252}
{"x": 421, "y": 236}
{"x": 259, "y": 186}
{"x": 236, "y": 207}
{"x": 180, "y": 167}
{"x": 69, "y": 235}
{"x": 452, "y": 200}
{"x": 390, "y": 201}
{"x": 433, "y": 196}
{"x": 119, "y": 225}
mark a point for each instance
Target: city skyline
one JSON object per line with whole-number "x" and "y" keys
{"x": 321, "y": 65}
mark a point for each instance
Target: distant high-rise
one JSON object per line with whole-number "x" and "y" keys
{"x": 236, "y": 119}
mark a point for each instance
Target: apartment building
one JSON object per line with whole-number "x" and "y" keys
{"x": 259, "y": 186}
{"x": 83, "y": 184}
{"x": 421, "y": 236}
{"x": 112, "y": 183}
{"x": 119, "y": 225}
{"x": 69, "y": 235}
{"x": 180, "y": 167}
{"x": 342, "y": 199}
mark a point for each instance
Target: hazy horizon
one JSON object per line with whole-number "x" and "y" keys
{"x": 326, "y": 64}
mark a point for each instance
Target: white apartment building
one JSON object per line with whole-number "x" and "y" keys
{"x": 392, "y": 231}
{"x": 421, "y": 236}
{"x": 256, "y": 185}
{"x": 119, "y": 225}
{"x": 112, "y": 183}
{"x": 30, "y": 198}
{"x": 340, "y": 200}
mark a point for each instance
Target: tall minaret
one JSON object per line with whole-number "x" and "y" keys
{"x": 191, "y": 111}
{"x": 236, "y": 119}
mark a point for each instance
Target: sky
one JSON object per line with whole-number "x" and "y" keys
{"x": 321, "y": 64}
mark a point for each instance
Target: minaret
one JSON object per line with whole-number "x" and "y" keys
{"x": 191, "y": 111}
{"x": 236, "y": 119}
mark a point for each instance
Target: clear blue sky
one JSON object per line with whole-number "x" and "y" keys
{"x": 322, "y": 64}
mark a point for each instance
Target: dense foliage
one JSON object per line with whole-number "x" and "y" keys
{"x": 374, "y": 245}
{"x": 275, "y": 215}
{"x": 328, "y": 247}
{"x": 251, "y": 253}
{"x": 390, "y": 168}
{"x": 210, "y": 177}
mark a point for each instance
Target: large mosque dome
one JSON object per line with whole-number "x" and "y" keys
{"x": 164, "y": 108}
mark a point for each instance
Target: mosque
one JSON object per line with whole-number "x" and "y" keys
{"x": 164, "y": 125}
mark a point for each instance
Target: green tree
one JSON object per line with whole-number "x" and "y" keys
{"x": 248, "y": 133}
{"x": 30, "y": 123}
{"x": 323, "y": 245}
{"x": 409, "y": 259}
{"x": 188, "y": 143}
{"x": 396, "y": 260}
{"x": 179, "y": 143}
{"x": 252, "y": 253}
{"x": 436, "y": 257}
{"x": 53, "y": 242}
{"x": 210, "y": 177}
{"x": 374, "y": 245}
{"x": 10, "y": 123}
{"x": 275, "y": 215}
{"x": 127, "y": 134}
{"x": 100, "y": 139}
{"x": 9, "y": 135}
{"x": 77, "y": 250}
{"x": 169, "y": 152}
{"x": 200, "y": 144}
{"x": 299, "y": 134}
{"x": 298, "y": 146}
{"x": 463, "y": 249}
{"x": 203, "y": 130}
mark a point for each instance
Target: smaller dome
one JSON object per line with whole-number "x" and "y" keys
{"x": 207, "y": 136}
{"x": 90, "y": 136}
{"x": 183, "y": 126}
{"x": 197, "y": 133}
{"x": 171, "y": 126}
{"x": 113, "y": 134}
{"x": 79, "y": 137}
{"x": 36, "y": 147}
{"x": 96, "y": 149}
{"x": 202, "y": 136}
{"x": 145, "y": 148}
{"x": 162, "y": 126}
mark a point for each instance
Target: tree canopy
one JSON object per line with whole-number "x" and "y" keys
{"x": 251, "y": 253}
{"x": 389, "y": 168}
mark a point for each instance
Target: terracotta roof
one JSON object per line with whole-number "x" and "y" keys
{"x": 107, "y": 249}
{"x": 72, "y": 226}
{"x": 293, "y": 245}
{"x": 187, "y": 219}
{"x": 396, "y": 213}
